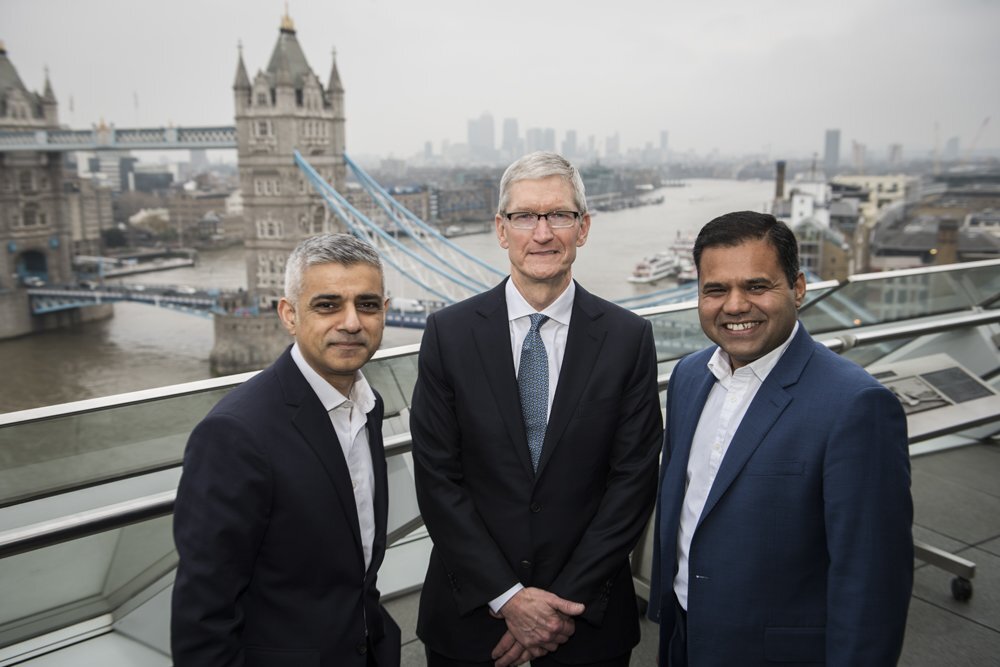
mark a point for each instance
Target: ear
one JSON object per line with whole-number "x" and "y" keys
{"x": 286, "y": 312}
{"x": 584, "y": 230}
{"x": 501, "y": 232}
{"x": 800, "y": 289}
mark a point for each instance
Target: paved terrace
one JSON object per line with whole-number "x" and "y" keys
{"x": 956, "y": 497}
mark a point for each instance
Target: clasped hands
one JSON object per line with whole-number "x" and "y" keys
{"x": 537, "y": 623}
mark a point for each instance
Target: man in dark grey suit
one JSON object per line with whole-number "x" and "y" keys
{"x": 280, "y": 520}
{"x": 536, "y": 426}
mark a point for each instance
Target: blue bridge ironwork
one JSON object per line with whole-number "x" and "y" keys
{"x": 103, "y": 138}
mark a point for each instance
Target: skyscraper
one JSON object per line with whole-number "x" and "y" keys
{"x": 831, "y": 156}
{"x": 511, "y": 138}
{"x": 569, "y": 145}
{"x": 482, "y": 144}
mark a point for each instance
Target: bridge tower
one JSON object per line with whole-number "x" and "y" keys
{"x": 283, "y": 108}
{"x": 34, "y": 227}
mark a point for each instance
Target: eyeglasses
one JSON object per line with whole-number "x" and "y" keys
{"x": 529, "y": 220}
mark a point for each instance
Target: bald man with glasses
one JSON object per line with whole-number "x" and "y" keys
{"x": 536, "y": 427}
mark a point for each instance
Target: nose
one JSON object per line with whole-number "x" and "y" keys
{"x": 350, "y": 323}
{"x": 543, "y": 232}
{"x": 736, "y": 302}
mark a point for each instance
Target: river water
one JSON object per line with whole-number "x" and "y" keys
{"x": 144, "y": 346}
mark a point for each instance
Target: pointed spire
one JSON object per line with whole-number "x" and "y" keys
{"x": 287, "y": 25}
{"x": 242, "y": 81}
{"x": 48, "y": 95}
{"x": 334, "y": 86}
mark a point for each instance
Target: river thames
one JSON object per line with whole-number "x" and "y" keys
{"x": 144, "y": 346}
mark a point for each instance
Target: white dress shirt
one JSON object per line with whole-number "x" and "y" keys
{"x": 724, "y": 409}
{"x": 349, "y": 416}
{"x": 554, "y": 333}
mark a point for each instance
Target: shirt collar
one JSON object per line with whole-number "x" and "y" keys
{"x": 722, "y": 370}
{"x": 560, "y": 310}
{"x": 361, "y": 391}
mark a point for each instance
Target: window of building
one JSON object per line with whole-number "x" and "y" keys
{"x": 263, "y": 128}
{"x": 30, "y": 215}
{"x": 262, "y": 99}
{"x": 27, "y": 181}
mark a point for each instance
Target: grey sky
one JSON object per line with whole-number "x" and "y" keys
{"x": 734, "y": 75}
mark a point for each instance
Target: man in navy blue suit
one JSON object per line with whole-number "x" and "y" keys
{"x": 784, "y": 513}
{"x": 280, "y": 519}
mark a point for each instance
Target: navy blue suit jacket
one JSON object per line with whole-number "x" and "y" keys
{"x": 803, "y": 553}
{"x": 569, "y": 527}
{"x": 271, "y": 566}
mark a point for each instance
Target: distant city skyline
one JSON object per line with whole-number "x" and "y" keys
{"x": 760, "y": 77}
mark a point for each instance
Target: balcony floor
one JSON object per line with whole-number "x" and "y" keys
{"x": 956, "y": 497}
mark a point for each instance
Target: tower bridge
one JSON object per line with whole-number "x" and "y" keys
{"x": 289, "y": 134}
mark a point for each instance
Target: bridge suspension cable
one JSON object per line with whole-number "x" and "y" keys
{"x": 415, "y": 257}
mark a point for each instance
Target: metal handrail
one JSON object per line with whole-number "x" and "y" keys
{"x": 82, "y": 524}
{"x": 149, "y": 395}
{"x": 94, "y": 521}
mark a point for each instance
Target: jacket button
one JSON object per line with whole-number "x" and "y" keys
{"x": 362, "y": 649}
{"x": 526, "y": 564}
{"x": 535, "y": 507}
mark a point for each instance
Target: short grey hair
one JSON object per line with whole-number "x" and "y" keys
{"x": 542, "y": 164}
{"x": 327, "y": 249}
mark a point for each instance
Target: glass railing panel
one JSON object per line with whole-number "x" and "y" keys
{"x": 814, "y": 293}
{"x": 54, "y": 454}
{"x": 983, "y": 283}
{"x": 867, "y": 355}
{"x": 892, "y": 299}
{"x": 393, "y": 377}
{"x": 59, "y": 585}
{"x": 677, "y": 333}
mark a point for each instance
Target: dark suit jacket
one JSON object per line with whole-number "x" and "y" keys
{"x": 271, "y": 566}
{"x": 494, "y": 522}
{"x": 803, "y": 553}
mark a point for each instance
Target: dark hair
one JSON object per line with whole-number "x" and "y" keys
{"x": 733, "y": 229}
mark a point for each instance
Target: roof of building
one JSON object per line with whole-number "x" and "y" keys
{"x": 925, "y": 237}
{"x": 9, "y": 77}
{"x": 288, "y": 64}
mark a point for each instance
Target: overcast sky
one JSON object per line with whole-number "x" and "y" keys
{"x": 739, "y": 76}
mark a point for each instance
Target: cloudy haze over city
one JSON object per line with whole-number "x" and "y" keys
{"x": 733, "y": 76}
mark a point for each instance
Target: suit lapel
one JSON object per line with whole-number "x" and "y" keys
{"x": 492, "y": 335}
{"x": 313, "y": 422}
{"x": 381, "y": 490}
{"x": 765, "y": 409}
{"x": 696, "y": 384}
{"x": 583, "y": 345}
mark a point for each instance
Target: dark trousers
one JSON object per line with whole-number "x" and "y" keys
{"x": 438, "y": 660}
{"x": 677, "y": 653}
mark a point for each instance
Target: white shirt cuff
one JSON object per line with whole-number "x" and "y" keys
{"x": 498, "y": 602}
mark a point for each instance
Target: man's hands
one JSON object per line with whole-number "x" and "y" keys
{"x": 537, "y": 623}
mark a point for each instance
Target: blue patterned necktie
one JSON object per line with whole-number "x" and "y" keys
{"x": 533, "y": 387}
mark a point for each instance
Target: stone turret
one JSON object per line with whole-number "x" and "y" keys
{"x": 50, "y": 107}
{"x": 241, "y": 86}
{"x": 282, "y": 109}
{"x": 34, "y": 227}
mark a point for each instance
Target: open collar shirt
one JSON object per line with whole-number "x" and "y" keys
{"x": 727, "y": 404}
{"x": 349, "y": 416}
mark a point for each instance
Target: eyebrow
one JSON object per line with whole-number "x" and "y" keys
{"x": 748, "y": 281}
{"x": 339, "y": 297}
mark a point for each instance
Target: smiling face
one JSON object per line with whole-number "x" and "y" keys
{"x": 541, "y": 256}
{"x": 337, "y": 319}
{"x": 745, "y": 303}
